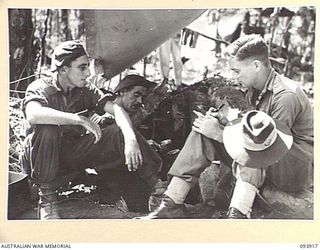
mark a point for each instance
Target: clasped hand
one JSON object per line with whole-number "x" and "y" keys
{"x": 208, "y": 125}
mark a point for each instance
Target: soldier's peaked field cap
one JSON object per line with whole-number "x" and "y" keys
{"x": 66, "y": 52}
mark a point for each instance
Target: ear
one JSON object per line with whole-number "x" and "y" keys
{"x": 257, "y": 65}
{"x": 63, "y": 69}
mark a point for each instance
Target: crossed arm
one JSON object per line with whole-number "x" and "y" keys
{"x": 38, "y": 114}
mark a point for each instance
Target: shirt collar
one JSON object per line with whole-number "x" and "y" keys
{"x": 268, "y": 86}
{"x": 270, "y": 80}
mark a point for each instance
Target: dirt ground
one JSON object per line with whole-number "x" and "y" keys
{"x": 84, "y": 203}
{"x": 82, "y": 208}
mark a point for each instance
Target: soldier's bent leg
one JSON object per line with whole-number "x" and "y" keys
{"x": 109, "y": 153}
{"x": 247, "y": 184}
{"x": 196, "y": 155}
{"x": 41, "y": 161}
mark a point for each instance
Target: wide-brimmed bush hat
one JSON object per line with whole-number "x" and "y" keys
{"x": 134, "y": 80}
{"x": 256, "y": 140}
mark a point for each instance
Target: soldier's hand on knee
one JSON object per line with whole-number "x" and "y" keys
{"x": 132, "y": 154}
{"x": 91, "y": 127}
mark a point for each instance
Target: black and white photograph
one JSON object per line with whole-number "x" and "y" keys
{"x": 144, "y": 114}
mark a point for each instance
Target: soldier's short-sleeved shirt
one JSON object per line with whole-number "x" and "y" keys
{"x": 48, "y": 93}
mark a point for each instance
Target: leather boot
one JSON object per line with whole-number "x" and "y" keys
{"x": 48, "y": 207}
{"x": 167, "y": 210}
{"x": 234, "y": 213}
{"x": 157, "y": 194}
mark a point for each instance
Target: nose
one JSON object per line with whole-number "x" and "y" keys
{"x": 87, "y": 72}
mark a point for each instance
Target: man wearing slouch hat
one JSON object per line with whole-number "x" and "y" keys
{"x": 61, "y": 136}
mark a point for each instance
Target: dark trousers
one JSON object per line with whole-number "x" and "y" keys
{"x": 49, "y": 155}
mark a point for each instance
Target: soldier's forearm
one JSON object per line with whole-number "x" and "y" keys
{"x": 37, "y": 114}
{"x": 123, "y": 121}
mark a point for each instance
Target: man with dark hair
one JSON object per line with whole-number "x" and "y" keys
{"x": 61, "y": 137}
{"x": 278, "y": 103}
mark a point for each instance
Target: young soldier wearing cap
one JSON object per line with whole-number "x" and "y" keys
{"x": 258, "y": 143}
{"x": 58, "y": 109}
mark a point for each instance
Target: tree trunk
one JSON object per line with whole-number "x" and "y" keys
{"x": 65, "y": 25}
{"x": 76, "y": 25}
{"x": 21, "y": 49}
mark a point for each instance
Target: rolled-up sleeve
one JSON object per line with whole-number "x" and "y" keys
{"x": 36, "y": 92}
{"x": 97, "y": 99}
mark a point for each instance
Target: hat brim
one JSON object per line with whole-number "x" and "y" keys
{"x": 131, "y": 83}
{"x": 233, "y": 142}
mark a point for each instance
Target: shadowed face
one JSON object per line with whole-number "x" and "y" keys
{"x": 131, "y": 100}
{"x": 245, "y": 71}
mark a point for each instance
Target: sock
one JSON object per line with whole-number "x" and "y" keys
{"x": 243, "y": 197}
{"x": 178, "y": 190}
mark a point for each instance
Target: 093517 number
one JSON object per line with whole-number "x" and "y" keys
{"x": 308, "y": 246}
